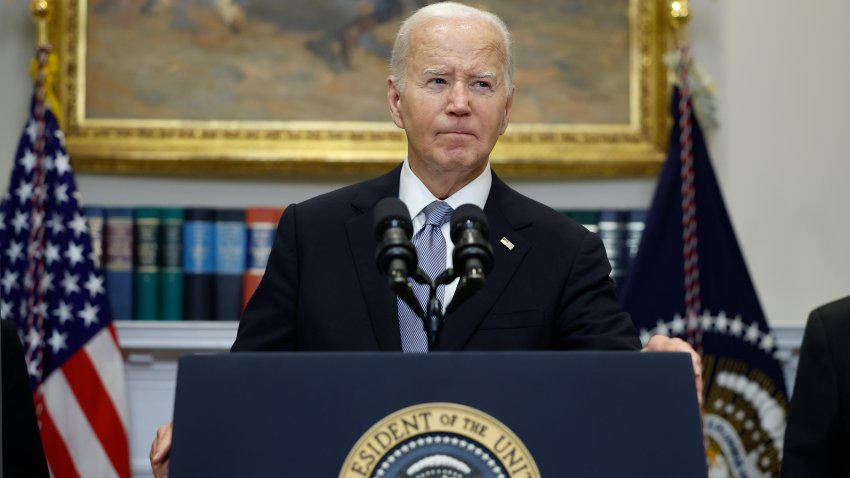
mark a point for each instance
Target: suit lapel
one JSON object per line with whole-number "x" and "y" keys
{"x": 504, "y": 222}
{"x": 380, "y": 302}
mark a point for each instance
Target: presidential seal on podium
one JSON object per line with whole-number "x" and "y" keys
{"x": 439, "y": 440}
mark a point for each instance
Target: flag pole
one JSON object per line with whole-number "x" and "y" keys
{"x": 40, "y": 11}
{"x": 680, "y": 15}
{"x": 72, "y": 352}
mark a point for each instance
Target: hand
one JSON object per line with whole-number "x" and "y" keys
{"x": 160, "y": 449}
{"x": 661, "y": 343}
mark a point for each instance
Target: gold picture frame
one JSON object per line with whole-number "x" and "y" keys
{"x": 249, "y": 148}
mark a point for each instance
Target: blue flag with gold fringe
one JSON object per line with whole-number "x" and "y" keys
{"x": 689, "y": 280}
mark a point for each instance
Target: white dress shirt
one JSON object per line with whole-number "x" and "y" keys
{"x": 416, "y": 196}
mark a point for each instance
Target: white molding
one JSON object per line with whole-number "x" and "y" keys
{"x": 194, "y": 336}
{"x": 789, "y": 337}
{"x": 189, "y": 336}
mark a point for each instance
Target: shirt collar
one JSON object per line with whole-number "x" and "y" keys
{"x": 414, "y": 194}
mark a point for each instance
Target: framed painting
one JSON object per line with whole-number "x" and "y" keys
{"x": 264, "y": 88}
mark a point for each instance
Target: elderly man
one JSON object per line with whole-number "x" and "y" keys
{"x": 451, "y": 90}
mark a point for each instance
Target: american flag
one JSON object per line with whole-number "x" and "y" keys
{"x": 689, "y": 279}
{"x": 50, "y": 287}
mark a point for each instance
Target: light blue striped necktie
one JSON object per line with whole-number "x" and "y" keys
{"x": 431, "y": 249}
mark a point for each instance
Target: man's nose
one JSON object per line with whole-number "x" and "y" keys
{"x": 458, "y": 101}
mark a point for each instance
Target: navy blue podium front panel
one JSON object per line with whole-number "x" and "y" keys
{"x": 588, "y": 414}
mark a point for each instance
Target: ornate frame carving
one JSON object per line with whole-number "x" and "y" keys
{"x": 303, "y": 149}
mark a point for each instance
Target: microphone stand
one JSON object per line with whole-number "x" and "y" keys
{"x": 432, "y": 319}
{"x": 433, "y": 316}
{"x": 434, "y": 324}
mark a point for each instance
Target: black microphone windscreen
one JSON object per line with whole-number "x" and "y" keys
{"x": 465, "y": 214}
{"x": 391, "y": 212}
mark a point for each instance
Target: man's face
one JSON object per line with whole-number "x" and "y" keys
{"x": 454, "y": 105}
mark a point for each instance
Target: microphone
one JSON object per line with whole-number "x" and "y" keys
{"x": 395, "y": 255}
{"x": 473, "y": 255}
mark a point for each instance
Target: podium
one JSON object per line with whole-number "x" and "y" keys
{"x": 503, "y": 414}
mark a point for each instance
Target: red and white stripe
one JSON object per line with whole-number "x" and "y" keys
{"x": 83, "y": 412}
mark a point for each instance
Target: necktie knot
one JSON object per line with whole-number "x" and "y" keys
{"x": 437, "y": 213}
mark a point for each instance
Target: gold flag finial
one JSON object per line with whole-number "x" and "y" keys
{"x": 680, "y": 14}
{"x": 40, "y": 11}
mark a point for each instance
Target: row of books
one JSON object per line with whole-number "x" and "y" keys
{"x": 174, "y": 263}
{"x": 620, "y": 231}
{"x": 171, "y": 263}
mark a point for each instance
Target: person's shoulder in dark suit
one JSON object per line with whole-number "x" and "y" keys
{"x": 570, "y": 273}
{"x": 817, "y": 438}
{"x": 23, "y": 455}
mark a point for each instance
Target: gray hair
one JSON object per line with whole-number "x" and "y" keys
{"x": 451, "y": 11}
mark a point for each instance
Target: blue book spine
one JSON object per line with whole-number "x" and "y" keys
{"x": 118, "y": 261}
{"x": 231, "y": 251}
{"x": 198, "y": 264}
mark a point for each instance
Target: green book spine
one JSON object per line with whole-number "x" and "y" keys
{"x": 171, "y": 264}
{"x": 147, "y": 232}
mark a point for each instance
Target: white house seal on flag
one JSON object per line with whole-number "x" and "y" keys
{"x": 744, "y": 413}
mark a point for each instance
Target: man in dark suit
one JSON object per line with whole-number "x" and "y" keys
{"x": 817, "y": 437}
{"x": 451, "y": 90}
{"x": 322, "y": 290}
{"x": 23, "y": 454}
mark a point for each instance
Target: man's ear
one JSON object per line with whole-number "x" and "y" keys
{"x": 509, "y": 101}
{"x": 394, "y": 100}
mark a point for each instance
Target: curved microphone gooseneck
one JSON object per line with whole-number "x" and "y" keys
{"x": 396, "y": 258}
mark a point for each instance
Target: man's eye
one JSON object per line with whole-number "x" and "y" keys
{"x": 438, "y": 81}
{"x": 482, "y": 84}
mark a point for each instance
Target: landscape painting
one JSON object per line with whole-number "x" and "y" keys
{"x": 291, "y": 70}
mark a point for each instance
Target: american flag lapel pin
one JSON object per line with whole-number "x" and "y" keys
{"x": 505, "y": 242}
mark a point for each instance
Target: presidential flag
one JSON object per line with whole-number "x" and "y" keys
{"x": 50, "y": 287}
{"x": 689, "y": 280}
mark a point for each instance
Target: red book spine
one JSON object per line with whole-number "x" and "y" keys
{"x": 261, "y": 223}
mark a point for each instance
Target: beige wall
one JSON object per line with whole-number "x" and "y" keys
{"x": 781, "y": 154}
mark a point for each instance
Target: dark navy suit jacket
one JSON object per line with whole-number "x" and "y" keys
{"x": 322, "y": 290}
{"x": 23, "y": 454}
{"x": 817, "y": 439}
